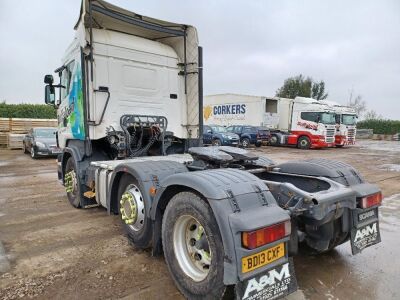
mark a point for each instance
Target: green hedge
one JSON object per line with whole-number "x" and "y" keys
{"x": 380, "y": 126}
{"x": 29, "y": 111}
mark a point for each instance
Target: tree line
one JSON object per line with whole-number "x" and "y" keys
{"x": 29, "y": 111}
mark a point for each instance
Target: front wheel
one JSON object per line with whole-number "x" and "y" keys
{"x": 258, "y": 144}
{"x": 72, "y": 184}
{"x": 33, "y": 153}
{"x": 216, "y": 142}
{"x": 193, "y": 247}
{"x": 304, "y": 143}
{"x": 245, "y": 142}
{"x": 24, "y": 148}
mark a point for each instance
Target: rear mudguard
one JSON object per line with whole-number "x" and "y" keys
{"x": 240, "y": 202}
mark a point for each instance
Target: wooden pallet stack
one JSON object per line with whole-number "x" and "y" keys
{"x": 13, "y": 130}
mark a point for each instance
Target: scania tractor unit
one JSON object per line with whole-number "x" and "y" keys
{"x": 346, "y": 124}
{"x": 129, "y": 99}
{"x": 301, "y": 122}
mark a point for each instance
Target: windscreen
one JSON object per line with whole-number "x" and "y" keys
{"x": 250, "y": 129}
{"x": 327, "y": 118}
{"x": 219, "y": 129}
{"x": 45, "y": 133}
{"x": 349, "y": 119}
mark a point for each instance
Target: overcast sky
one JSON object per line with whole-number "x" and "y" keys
{"x": 250, "y": 47}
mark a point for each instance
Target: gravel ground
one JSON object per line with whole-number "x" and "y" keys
{"x": 49, "y": 250}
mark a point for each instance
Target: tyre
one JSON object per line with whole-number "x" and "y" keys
{"x": 274, "y": 140}
{"x": 24, "y": 148}
{"x": 216, "y": 142}
{"x": 245, "y": 142}
{"x": 72, "y": 183}
{"x": 304, "y": 143}
{"x": 339, "y": 146}
{"x": 193, "y": 247}
{"x": 258, "y": 144}
{"x": 33, "y": 153}
{"x": 132, "y": 211}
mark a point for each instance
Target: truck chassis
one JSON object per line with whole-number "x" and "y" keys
{"x": 199, "y": 209}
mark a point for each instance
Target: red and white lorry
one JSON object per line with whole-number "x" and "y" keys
{"x": 346, "y": 124}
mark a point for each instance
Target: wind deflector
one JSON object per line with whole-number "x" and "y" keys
{"x": 111, "y": 17}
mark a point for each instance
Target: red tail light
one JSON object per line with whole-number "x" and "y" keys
{"x": 266, "y": 235}
{"x": 371, "y": 200}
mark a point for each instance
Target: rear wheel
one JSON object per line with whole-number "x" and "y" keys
{"x": 304, "y": 143}
{"x": 258, "y": 144}
{"x": 132, "y": 211}
{"x": 274, "y": 141}
{"x": 245, "y": 142}
{"x": 193, "y": 247}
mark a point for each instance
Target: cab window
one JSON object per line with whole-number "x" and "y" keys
{"x": 66, "y": 78}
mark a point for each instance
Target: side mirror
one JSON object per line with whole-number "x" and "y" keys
{"x": 48, "y": 79}
{"x": 209, "y": 131}
{"x": 50, "y": 94}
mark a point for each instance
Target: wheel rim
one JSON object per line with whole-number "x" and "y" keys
{"x": 217, "y": 143}
{"x": 32, "y": 152}
{"x": 191, "y": 247}
{"x": 245, "y": 143}
{"x": 274, "y": 139}
{"x": 132, "y": 208}
{"x": 71, "y": 182}
{"x": 303, "y": 143}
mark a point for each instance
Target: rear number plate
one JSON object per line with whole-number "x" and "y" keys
{"x": 255, "y": 261}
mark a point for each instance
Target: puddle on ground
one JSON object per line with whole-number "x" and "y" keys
{"x": 390, "y": 167}
{"x": 391, "y": 146}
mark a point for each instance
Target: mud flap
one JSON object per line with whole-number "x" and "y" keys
{"x": 365, "y": 231}
{"x": 275, "y": 283}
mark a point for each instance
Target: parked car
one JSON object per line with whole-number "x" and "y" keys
{"x": 41, "y": 141}
{"x": 219, "y": 136}
{"x": 250, "y": 135}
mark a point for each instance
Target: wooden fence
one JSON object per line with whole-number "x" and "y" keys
{"x": 13, "y": 130}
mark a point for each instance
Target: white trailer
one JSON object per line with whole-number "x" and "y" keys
{"x": 302, "y": 122}
{"x": 235, "y": 109}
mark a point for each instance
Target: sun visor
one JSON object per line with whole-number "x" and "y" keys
{"x": 111, "y": 17}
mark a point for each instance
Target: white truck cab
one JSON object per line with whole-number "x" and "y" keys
{"x": 346, "y": 124}
{"x": 303, "y": 122}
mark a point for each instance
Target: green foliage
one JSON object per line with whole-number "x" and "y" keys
{"x": 318, "y": 90}
{"x": 303, "y": 87}
{"x": 380, "y": 126}
{"x": 29, "y": 111}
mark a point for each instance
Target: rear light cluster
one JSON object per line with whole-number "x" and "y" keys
{"x": 371, "y": 200}
{"x": 266, "y": 235}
